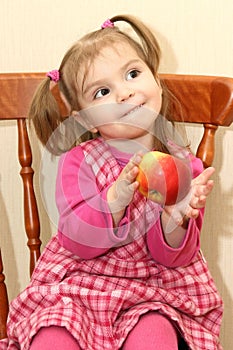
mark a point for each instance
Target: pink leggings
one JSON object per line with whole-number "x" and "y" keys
{"x": 153, "y": 331}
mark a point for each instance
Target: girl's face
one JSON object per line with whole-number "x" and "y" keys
{"x": 120, "y": 97}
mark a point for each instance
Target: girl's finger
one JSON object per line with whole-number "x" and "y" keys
{"x": 198, "y": 202}
{"x": 137, "y": 157}
{"x": 199, "y": 190}
{"x": 204, "y": 177}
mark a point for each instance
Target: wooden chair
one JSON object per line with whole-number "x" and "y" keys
{"x": 204, "y": 100}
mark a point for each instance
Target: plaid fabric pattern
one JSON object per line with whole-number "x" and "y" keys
{"x": 100, "y": 300}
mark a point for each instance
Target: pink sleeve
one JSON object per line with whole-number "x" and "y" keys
{"x": 173, "y": 257}
{"x": 85, "y": 224}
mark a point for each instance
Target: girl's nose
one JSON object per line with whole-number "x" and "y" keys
{"x": 125, "y": 95}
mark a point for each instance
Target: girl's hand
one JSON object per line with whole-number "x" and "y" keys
{"x": 122, "y": 190}
{"x": 181, "y": 212}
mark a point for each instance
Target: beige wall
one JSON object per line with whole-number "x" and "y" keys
{"x": 196, "y": 37}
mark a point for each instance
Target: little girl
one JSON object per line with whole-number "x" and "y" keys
{"x": 122, "y": 272}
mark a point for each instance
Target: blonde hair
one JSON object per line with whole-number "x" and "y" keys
{"x": 44, "y": 112}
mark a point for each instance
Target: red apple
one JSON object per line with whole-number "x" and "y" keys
{"x": 163, "y": 178}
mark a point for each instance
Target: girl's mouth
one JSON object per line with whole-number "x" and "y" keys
{"x": 132, "y": 110}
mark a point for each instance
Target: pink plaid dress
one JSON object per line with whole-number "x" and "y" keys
{"x": 101, "y": 299}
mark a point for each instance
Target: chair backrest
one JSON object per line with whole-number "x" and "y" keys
{"x": 204, "y": 100}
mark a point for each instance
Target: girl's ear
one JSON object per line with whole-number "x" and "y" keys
{"x": 84, "y": 122}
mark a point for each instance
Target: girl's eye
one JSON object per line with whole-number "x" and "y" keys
{"x": 132, "y": 74}
{"x": 102, "y": 92}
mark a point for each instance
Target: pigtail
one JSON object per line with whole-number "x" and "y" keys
{"x": 149, "y": 43}
{"x": 44, "y": 112}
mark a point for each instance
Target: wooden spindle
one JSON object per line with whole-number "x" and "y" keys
{"x": 206, "y": 147}
{"x": 31, "y": 216}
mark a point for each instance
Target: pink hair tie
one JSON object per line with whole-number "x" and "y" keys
{"x": 107, "y": 24}
{"x": 54, "y": 75}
